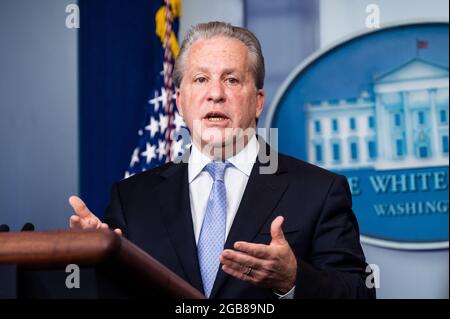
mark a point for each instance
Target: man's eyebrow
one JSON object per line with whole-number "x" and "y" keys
{"x": 200, "y": 69}
{"x": 225, "y": 72}
{"x": 229, "y": 71}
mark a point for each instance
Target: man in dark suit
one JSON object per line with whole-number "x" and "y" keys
{"x": 216, "y": 218}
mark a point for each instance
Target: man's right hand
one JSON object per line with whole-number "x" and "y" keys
{"x": 84, "y": 218}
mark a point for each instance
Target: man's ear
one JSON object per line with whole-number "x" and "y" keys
{"x": 179, "y": 101}
{"x": 260, "y": 98}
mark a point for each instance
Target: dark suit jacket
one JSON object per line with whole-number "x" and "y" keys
{"x": 153, "y": 210}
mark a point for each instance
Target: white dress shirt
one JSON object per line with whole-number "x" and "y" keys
{"x": 235, "y": 179}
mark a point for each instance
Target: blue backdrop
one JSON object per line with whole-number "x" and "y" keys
{"x": 119, "y": 54}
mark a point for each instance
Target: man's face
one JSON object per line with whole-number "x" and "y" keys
{"x": 218, "y": 92}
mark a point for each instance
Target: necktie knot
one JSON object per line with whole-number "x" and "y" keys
{"x": 217, "y": 170}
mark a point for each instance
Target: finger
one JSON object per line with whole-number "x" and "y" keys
{"x": 238, "y": 274}
{"x": 260, "y": 251}
{"x": 79, "y": 206}
{"x": 104, "y": 226}
{"x": 235, "y": 265}
{"x": 240, "y": 258}
{"x": 118, "y": 231}
{"x": 276, "y": 232}
{"x": 248, "y": 271}
{"x": 74, "y": 222}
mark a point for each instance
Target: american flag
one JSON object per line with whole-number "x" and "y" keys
{"x": 421, "y": 44}
{"x": 159, "y": 137}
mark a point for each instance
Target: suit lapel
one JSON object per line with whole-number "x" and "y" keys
{"x": 173, "y": 196}
{"x": 262, "y": 193}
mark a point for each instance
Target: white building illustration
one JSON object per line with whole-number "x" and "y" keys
{"x": 403, "y": 124}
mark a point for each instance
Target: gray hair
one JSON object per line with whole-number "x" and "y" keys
{"x": 203, "y": 31}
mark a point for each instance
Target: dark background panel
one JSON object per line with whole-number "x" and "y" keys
{"x": 119, "y": 56}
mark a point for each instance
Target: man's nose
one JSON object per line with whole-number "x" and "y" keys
{"x": 216, "y": 92}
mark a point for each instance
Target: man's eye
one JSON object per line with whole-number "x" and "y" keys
{"x": 200, "y": 80}
{"x": 232, "y": 80}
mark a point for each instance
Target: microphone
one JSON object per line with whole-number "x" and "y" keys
{"x": 27, "y": 227}
{"x": 4, "y": 228}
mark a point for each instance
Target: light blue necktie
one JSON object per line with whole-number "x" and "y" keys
{"x": 212, "y": 234}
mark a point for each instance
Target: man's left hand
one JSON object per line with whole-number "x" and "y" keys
{"x": 272, "y": 266}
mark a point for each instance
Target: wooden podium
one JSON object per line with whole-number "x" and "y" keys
{"x": 121, "y": 268}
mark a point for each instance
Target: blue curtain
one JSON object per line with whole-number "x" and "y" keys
{"x": 119, "y": 54}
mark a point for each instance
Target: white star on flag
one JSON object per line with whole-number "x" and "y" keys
{"x": 178, "y": 122}
{"x": 155, "y": 101}
{"x": 135, "y": 156}
{"x": 163, "y": 97}
{"x": 163, "y": 123}
{"x": 152, "y": 127}
{"x": 149, "y": 152}
{"x": 161, "y": 149}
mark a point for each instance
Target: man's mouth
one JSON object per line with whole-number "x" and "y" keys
{"x": 216, "y": 117}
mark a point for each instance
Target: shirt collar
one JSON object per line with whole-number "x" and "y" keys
{"x": 243, "y": 161}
